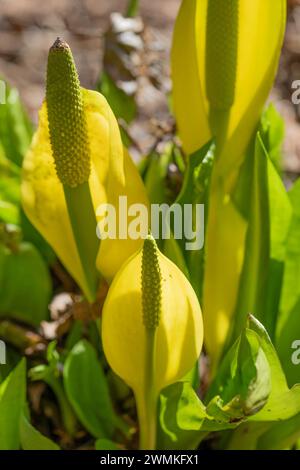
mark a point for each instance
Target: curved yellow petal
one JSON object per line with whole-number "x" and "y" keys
{"x": 261, "y": 27}
{"x": 123, "y": 180}
{"x": 179, "y": 333}
{"x": 260, "y": 31}
{"x": 43, "y": 196}
{"x": 187, "y": 98}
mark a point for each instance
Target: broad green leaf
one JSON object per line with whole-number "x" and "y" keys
{"x": 245, "y": 437}
{"x": 15, "y": 128}
{"x": 243, "y": 379}
{"x": 241, "y": 388}
{"x": 12, "y": 402}
{"x": 280, "y": 211}
{"x": 32, "y": 439}
{"x": 283, "y": 403}
{"x": 254, "y": 277}
{"x": 25, "y": 284}
{"x": 281, "y": 435}
{"x": 184, "y": 421}
{"x": 87, "y": 390}
{"x": 288, "y": 327}
{"x": 291, "y": 288}
{"x": 181, "y": 416}
{"x": 264, "y": 202}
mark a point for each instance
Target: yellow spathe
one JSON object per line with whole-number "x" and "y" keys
{"x": 260, "y": 31}
{"x": 224, "y": 59}
{"x": 113, "y": 174}
{"x": 179, "y": 335}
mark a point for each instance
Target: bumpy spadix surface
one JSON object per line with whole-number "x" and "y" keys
{"x": 179, "y": 327}
{"x": 66, "y": 117}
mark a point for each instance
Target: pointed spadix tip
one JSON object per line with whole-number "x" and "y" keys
{"x": 59, "y": 45}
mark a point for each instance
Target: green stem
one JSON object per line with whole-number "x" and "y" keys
{"x": 147, "y": 401}
{"x": 219, "y": 121}
{"x": 132, "y": 9}
{"x": 83, "y": 222}
{"x": 68, "y": 416}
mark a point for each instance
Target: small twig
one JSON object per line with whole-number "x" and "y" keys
{"x": 64, "y": 277}
{"x": 20, "y": 337}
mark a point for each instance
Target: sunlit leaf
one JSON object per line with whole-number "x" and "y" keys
{"x": 87, "y": 390}
{"x": 32, "y": 439}
{"x": 12, "y": 402}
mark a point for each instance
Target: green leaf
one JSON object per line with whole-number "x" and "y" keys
{"x": 30, "y": 234}
{"x": 155, "y": 178}
{"x": 15, "y": 128}
{"x": 243, "y": 380}
{"x": 202, "y": 177}
{"x": 9, "y": 191}
{"x": 291, "y": 288}
{"x": 87, "y": 390}
{"x": 272, "y": 131}
{"x": 195, "y": 190}
{"x": 9, "y": 213}
{"x": 241, "y": 388}
{"x": 25, "y": 284}
{"x": 263, "y": 200}
{"x": 51, "y": 374}
{"x": 288, "y": 327}
{"x": 281, "y": 436}
{"x": 254, "y": 277}
{"x": 283, "y": 403}
{"x": 181, "y": 416}
{"x": 32, "y": 439}
{"x": 280, "y": 212}
{"x": 122, "y": 104}
{"x": 9, "y": 180}
{"x": 106, "y": 444}
{"x": 12, "y": 358}
{"x": 12, "y": 402}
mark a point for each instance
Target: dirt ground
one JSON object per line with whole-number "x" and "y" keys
{"x": 29, "y": 27}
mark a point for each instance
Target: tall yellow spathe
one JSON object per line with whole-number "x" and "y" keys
{"x": 224, "y": 59}
{"x": 217, "y": 43}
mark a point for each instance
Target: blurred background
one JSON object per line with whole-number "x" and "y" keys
{"x": 29, "y": 27}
